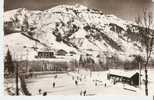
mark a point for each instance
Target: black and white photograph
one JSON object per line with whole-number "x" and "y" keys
{"x": 78, "y": 47}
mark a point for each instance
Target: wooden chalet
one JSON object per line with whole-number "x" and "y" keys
{"x": 131, "y": 80}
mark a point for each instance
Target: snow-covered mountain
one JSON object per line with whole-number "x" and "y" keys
{"x": 71, "y": 28}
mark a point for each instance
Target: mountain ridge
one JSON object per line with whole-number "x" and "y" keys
{"x": 77, "y": 28}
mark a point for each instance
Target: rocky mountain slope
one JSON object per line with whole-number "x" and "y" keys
{"x": 71, "y": 28}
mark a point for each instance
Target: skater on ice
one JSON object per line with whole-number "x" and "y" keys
{"x": 45, "y": 94}
{"x": 53, "y": 84}
{"x": 81, "y": 93}
{"x": 95, "y": 83}
{"x": 55, "y": 76}
{"x": 84, "y": 93}
{"x": 76, "y": 82}
{"x": 105, "y": 84}
{"x": 40, "y": 91}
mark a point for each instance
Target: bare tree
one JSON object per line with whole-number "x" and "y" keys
{"x": 147, "y": 39}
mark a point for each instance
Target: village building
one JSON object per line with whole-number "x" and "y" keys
{"x": 72, "y": 53}
{"x": 45, "y": 55}
{"x": 123, "y": 77}
{"x": 61, "y": 52}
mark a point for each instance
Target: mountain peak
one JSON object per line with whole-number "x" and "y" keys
{"x": 67, "y": 8}
{"x": 8, "y": 15}
{"x": 76, "y": 6}
{"x": 77, "y": 28}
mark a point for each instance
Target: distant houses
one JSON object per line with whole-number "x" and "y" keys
{"x": 45, "y": 55}
{"x": 53, "y": 54}
{"x": 61, "y": 52}
{"x": 72, "y": 53}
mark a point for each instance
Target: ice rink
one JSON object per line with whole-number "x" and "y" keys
{"x": 92, "y": 82}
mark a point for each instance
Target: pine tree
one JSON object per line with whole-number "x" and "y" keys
{"x": 8, "y": 66}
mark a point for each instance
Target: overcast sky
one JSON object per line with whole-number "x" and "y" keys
{"x": 126, "y": 9}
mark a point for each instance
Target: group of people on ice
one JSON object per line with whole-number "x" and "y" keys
{"x": 77, "y": 79}
{"x": 83, "y": 93}
{"x": 43, "y": 94}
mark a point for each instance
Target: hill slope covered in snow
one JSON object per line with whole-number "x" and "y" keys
{"x": 72, "y": 28}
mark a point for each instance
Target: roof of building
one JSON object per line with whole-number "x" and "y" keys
{"x": 125, "y": 73}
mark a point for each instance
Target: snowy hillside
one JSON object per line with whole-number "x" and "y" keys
{"x": 72, "y": 28}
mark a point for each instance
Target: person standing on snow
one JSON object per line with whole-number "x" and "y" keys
{"x": 76, "y": 82}
{"x": 81, "y": 93}
{"x": 40, "y": 91}
{"x": 53, "y": 84}
{"x": 45, "y": 93}
{"x": 84, "y": 93}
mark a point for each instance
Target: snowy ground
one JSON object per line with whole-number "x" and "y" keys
{"x": 65, "y": 85}
{"x": 10, "y": 87}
